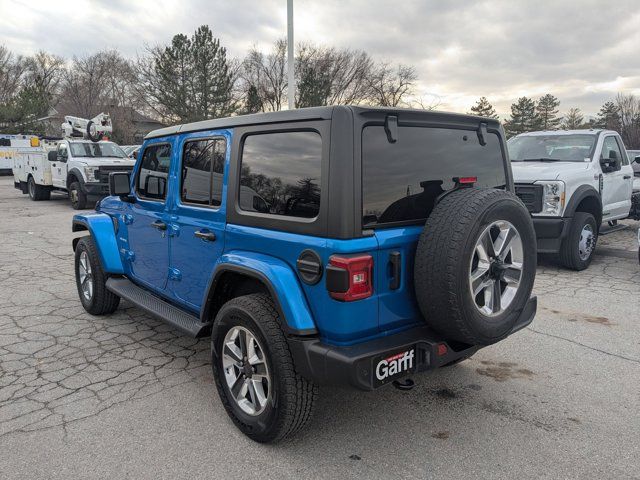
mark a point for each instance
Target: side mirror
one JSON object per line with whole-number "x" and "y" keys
{"x": 119, "y": 184}
{"x": 637, "y": 159}
{"x": 52, "y": 156}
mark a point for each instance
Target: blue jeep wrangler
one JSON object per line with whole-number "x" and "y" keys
{"x": 341, "y": 245}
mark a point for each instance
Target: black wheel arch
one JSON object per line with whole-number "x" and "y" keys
{"x": 585, "y": 199}
{"x": 243, "y": 280}
{"x": 74, "y": 175}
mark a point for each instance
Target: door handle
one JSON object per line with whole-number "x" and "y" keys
{"x": 395, "y": 264}
{"x": 160, "y": 225}
{"x": 206, "y": 236}
{"x": 627, "y": 177}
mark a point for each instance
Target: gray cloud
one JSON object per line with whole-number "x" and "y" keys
{"x": 583, "y": 51}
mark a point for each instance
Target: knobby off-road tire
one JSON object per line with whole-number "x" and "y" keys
{"x": 77, "y": 196}
{"x": 289, "y": 397}
{"x": 91, "y": 280}
{"x": 578, "y": 248}
{"x": 37, "y": 192}
{"x": 449, "y": 252}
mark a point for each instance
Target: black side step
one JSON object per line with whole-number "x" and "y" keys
{"x": 183, "y": 321}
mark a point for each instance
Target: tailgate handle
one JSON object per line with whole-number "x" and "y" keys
{"x": 395, "y": 263}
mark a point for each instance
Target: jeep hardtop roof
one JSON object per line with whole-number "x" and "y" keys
{"x": 322, "y": 113}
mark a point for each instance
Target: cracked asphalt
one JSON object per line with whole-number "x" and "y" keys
{"x": 125, "y": 396}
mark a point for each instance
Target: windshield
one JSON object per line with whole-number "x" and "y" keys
{"x": 559, "y": 148}
{"x": 96, "y": 150}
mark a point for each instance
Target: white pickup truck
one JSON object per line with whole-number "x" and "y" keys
{"x": 571, "y": 182}
{"x": 79, "y": 167}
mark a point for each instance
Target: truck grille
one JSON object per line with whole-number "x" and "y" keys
{"x": 531, "y": 196}
{"x": 104, "y": 171}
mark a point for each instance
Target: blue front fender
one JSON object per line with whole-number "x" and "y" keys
{"x": 100, "y": 226}
{"x": 279, "y": 278}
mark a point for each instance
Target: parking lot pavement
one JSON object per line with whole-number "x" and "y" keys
{"x": 124, "y": 396}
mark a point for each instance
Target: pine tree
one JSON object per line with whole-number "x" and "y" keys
{"x": 609, "y": 117}
{"x": 574, "y": 120}
{"x": 547, "y": 112}
{"x": 523, "y": 117}
{"x": 483, "y": 108}
{"x": 253, "y": 103}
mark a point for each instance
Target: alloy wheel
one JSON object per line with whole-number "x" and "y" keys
{"x": 85, "y": 276}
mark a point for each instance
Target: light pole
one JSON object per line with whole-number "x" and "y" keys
{"x": 291, "y": 84}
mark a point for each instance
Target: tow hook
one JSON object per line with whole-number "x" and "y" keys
{"x": 404, "y": 385}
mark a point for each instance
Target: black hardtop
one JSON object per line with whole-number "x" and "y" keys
{"x": 362, "y": 114}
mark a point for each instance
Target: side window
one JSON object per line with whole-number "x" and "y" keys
{"x": 202, "y": 171}
{"x": 280, "y": 173}
{"x": 154, "y": 172}
{"x": 611, "y": 150}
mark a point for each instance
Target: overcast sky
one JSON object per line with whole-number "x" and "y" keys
{"x": 582, "y": 51}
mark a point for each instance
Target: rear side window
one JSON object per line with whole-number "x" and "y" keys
{"x": 202, "y": 171}
{"x": 280, "y": 174}
{"x": 402, "y": 180}
{"x": 154, "y": 172}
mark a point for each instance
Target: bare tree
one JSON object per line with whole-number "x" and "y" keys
{"x": 267, "y": 74}
{"x": 43, "y": 74}
{"x": 629, "y": 112}
{"x": 390, "y": 86}
{"x": 11, "y": 73}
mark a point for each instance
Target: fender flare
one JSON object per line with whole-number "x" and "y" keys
{"x": 578, "y": 196}
{"x": 100, "y": 226}
{"x": 74, "y": 172}
{"x": 279, "y": 279}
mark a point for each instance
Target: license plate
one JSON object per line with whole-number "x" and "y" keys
{"x": 393, "y": 365}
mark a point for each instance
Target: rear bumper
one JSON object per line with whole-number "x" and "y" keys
{"x": 550, "y": 232}
{"x": 360, "y": 365}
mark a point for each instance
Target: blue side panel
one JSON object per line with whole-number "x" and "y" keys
{"x": 100, "y": 226}
{"x": 283, "y": 280}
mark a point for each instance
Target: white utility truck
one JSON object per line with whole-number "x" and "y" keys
{"x": 572, "y": 181}
{"x": 79, "y": 165}
{"x": 9, "y": 147}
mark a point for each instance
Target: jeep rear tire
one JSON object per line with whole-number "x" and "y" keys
{"x": 579, "y": 245}
{"x": 475, "y": 265}
{"x": 77, "y": 196}
{"x": 91, "y": 280}
{"x": 254, "y": 371}
{"x": 37, "y": 192}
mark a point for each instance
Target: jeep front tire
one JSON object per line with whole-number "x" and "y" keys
{"x": 91, "y": 280}
{"x": 254, "y": 371}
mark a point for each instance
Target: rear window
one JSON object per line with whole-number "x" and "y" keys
{"x": 280, "y": 174}
{"x": 401, "y": 180}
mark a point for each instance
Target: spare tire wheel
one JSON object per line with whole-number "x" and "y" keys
{"x": 475, "y": 265}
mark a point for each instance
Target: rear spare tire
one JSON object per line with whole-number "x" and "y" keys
{"x": 475, "y": 265}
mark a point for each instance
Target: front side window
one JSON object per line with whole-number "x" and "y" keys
{"x": 202, "y": 171}
{"x": 611, "y": 150}
{"x": 402, "y": 180}
{"x": 154, "y": 172}
{"x": 280, "y": 174}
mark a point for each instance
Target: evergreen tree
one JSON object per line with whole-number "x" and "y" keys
{"x": 573, "y": 120}
{"x": 609, "y": 117}
{"x": 483, "y": 108}
{"x": 314, "y": 87}
{"x": 547, "y": 112}
{"x": 253, "y": 102}
{"x": 523, "y": 117}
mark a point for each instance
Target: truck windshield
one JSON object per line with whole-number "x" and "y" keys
{"x": 559, "y": 148}
{"x": 402, "y": 180}
{"x": 86, "y": 149}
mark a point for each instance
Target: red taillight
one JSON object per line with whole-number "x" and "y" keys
{"x": 467, "y": 180}
{"x": 349, "y": 278}
{"x": 442, "y": 349}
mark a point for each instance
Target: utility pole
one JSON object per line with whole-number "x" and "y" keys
{"x": 291, "y": 84}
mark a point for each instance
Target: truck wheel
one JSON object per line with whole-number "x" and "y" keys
{"x": 475, "y": 265}
{"x": 579, "y": 246}
{"x": 37, "y": 192}
{"x": 254, "y": 371}
{"x": 77, "y": 196}
{"x": 91, "y": 280}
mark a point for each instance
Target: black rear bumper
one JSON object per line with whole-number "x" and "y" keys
{"x": 356, "y": 365}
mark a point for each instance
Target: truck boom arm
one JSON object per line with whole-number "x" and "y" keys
{"x": 92, "y": 129}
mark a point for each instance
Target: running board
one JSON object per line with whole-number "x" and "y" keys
{"x": 183, "y": 321}
{"x": 607, "y": 230}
